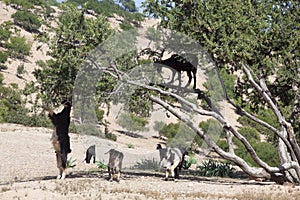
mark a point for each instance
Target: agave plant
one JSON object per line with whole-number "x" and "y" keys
{"x": 214, "y": 168}
{"x": 71, "y": 163}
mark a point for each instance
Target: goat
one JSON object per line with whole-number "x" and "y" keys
{"x": 177, "y": 64}
{"x": 90, "y": 152}
{"x": 60, "y": 138}
{"x": 114, "y": 164}
{"x": 172, "y": 158}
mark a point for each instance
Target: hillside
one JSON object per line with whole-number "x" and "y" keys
{"x": 38, "y": 52}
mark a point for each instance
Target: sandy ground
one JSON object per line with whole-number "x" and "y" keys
{"x": 28, "y": 171}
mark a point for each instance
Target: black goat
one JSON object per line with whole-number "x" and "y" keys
{"x": 115, "y": 164}
{"x": 60, "y": 137}
{"x": 177, "y": 64}
{"x": 90, "y": 152}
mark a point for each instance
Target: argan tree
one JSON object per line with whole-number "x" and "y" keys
{"x": 259, "y": 40}
{"x": 75, "y": 35}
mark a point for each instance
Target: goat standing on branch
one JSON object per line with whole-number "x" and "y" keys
{"x": 178, "y": 63}
{"x": 60, "y": 137}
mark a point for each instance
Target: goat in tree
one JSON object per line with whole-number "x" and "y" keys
{"x": 178, "y": 64}
{"x": 60, "y": 137}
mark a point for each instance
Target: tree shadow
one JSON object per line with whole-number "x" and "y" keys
{"x": 134, "y": 174}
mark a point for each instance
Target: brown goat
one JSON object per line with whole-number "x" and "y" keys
{"x": 115, "y": 164}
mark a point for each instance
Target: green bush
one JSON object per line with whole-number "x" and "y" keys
{"x": 265, "y": 150}
{"x": 101, "y": 165}
{"x": 18, "y": 47}
{"x": 213, "y": 128}
{"x": 3, "y": 57}
{"x": 126, "y": 26}
{"x": 71, "y": 163}
{"x": 169, "y": 130}
{"x": 147, "y": 164}
{"x": 188, "y": 163}
{"x": 178, "y": 134}
{"x": 29, "y": 21}
{"x": 158, "y": 125}
{"x": 214, "y": 168}
{"x": 132, "y": 122}
{"x": 4, "y": 33}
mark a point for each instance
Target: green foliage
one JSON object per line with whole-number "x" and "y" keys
{"x": 188, "y": 163}
{"x": 229, "y": 82}
{"x": 25, "y": 4}
{"x": 109, "y": 135}
{"x": 169, "y": 130}
{"x": 158, "y": 125}
{"x": 21, "y": 69}
{"x": 27, "y": 20}
{"x": 140, "y": 103}
{"x": 266, "y": 151}
{"x": 125, "y": 26}
{"x": 214, "y": 168}
{"x": 147, "y": 164}
{"x": 99, "y": 114}
{"x": 18, "y": 47}
{"x": 4, "y": 33}
{"x": 212, "y": 128}
{"x": 13, "y": 109}
{"x": 3, "y": 59}
{"x": 130, "y": 146}
{"x": 132, "y": 122}
{"x": 109, "y": 8}
{"x": 76, "y": 35}
{"x": 101, "y": 165}
{"x": 128, "y": 5}
{"x": 266, "y": 115}
{"x": 178, "y": 134}
{"x": 71, "y": 163}
{"x": 247, "y": 37}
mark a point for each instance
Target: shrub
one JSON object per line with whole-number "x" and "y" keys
{"x": 158, "y": 125}
{"x": 126, "y": 26}
{"x": 18, "y": 47}
{"x": 27, "y": 20}
{"x": 188, "y": 163}
{"x": 266, "y": 151}
{"x": 169, "y": 130}
{"x": 71, "y": 163}
{"x": 101, "y": 165}
{"x": 108, "y": 134}
{"x": 3, "y": 57}
{"x": 213, "y": 129}
{"x": 21, "y": 70}
{"x": 4, "y": 33}
{"x": 147, "y": 164}
{"x": 132, "y": 122}
{"x": 214, "y": 168}
{"x": 178, "y": 134}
